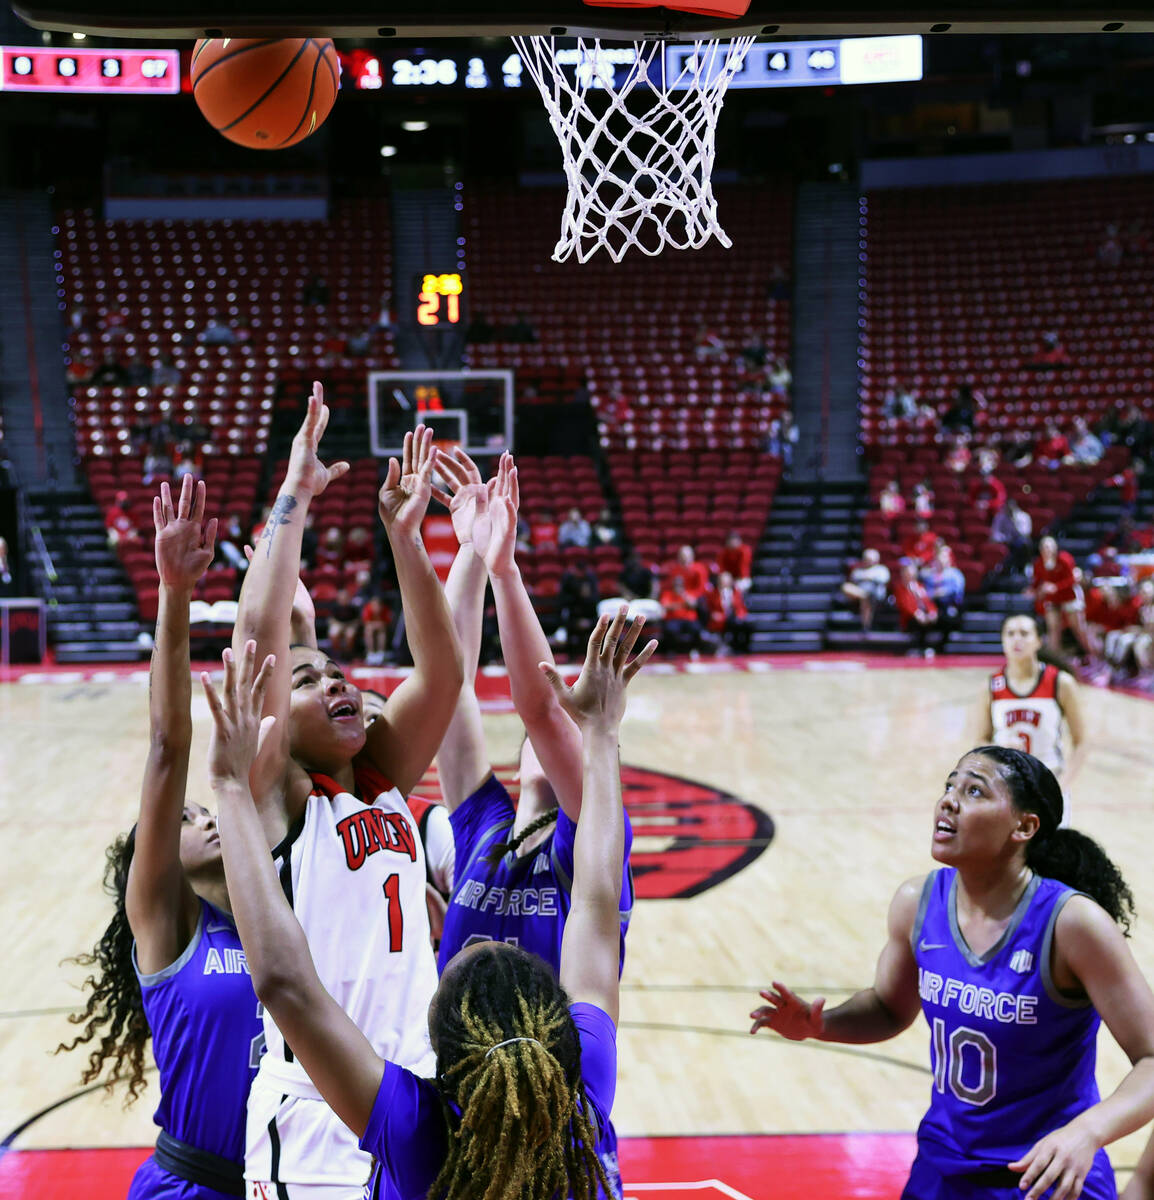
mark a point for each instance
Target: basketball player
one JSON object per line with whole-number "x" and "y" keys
{"x": 1058, "y": 597}
{"x": 515, "y": 862}
{"x": 526, "y": 1065}
{"x": 171, "y": 959}
{"x": 331, "y": 801}
{"x": 1014, "y": 949}
{"x": 1028, "y": 700}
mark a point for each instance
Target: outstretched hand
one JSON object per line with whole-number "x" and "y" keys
{"x": 404, "y": 496}
{"x": 184, "y": 543}
{"x": 468, "y": 497}
{"x": 238, "y": 731}
{"x": 788, "y": 1014}
{"x": 597, "y": 700}
{"x": 501, "y": 545}
{"x": 1061, "y": 1160}
{"x": 306, "y": 472}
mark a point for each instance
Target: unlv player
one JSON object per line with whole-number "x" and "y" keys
{"x": 1026, "y": 702}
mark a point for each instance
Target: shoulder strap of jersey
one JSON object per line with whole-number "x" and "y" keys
{"x": 1047, "y": 686}
{"x": 371, "y": 782}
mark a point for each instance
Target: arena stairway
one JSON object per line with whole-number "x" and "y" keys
{"x": 800, "y": 563}
{"x": 94, "y": 616}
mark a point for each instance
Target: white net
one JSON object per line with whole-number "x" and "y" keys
{"x": 638, "y": 136}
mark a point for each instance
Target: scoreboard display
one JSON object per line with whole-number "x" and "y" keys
{"x": 53, "y": 69}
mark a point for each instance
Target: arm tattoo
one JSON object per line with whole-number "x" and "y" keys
{"x": 279, "y": 516}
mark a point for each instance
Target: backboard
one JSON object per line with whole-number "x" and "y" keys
{"x": 572, "y": 18}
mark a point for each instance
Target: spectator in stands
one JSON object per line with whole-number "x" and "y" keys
{"x": 360, "y": 344}
{"x": 779, "y": 377}
{"x": 230, "y": 542}
{"x": 574, "y": 531}
{"x": 1086, "y": 448}
{"x": 331, "y": 550}
{"x": 1018, "y": 450}
{"x": 867, "y": 585}
{"x": 917, "y": 613}
{"x": 1053, "y": 447}
{"x": 1127, "y": 483}
{"x": 921, "y": 544}
{"x": 385, "y": 310}
{"x": 682, "y": 622}
{"x": 946, "y": 587}
{"x": 110, "y": 373}
{"x": 892, "y": 505}
{"x": 375, "y": 625}
{"x": 315, "y": 293}
{"x": 480, "y": 330}
{"x": 1014, "y": 528}
{"x": 79, "y": 371}
{"x": 7, "y": 577}
{"x": 359, "y": 549}
{"x": 708, "y": 344}
{"x": 1137, "y": 433}
{"x": 727, "y": 618}
{"x": 117, "y": 521}
{"x": 1144, "y": 641}
{"x": 520, "y": 331}
{"x": 309, "y": 541}
{"x": 900, "y": 403}
{"x": 924, "y": 500}
{"x": 736, "y": 557}
{"x": 605, "y": 531}
{"x": 693, "y": 575}
{"x": 217, "y": 333}
{"x": 577, "y": 597}
{"x": 1112, "y": 616}
{"x": 790, "y": 436}
{"x": 1052, "y": 355}
{"x": 344, "y": 625}
{"x": 543, "y": 530}
{"x": 137, "y": 373}
{"x": 963, "y": 410}
{"x": 636, "y": 580}
{"x": 755, "y": 354}
{"x": 959, "y": 455}
{"x": 165, "y": 372}
{"x": 1058, "y": 598}
{"x": 185, "y": 462}
{"x": 986, "y": 494}
{"x": 1110, "y": 247}
{"x": 157, "y": 465}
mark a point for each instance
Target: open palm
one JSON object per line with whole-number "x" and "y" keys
{"x": 404, "y": 497}
{"x": 184, "y": 543}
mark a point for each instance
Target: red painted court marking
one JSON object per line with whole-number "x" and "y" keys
{"x": 858, "y": 1166}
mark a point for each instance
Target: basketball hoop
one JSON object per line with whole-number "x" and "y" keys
{"x": 640, "y": 178}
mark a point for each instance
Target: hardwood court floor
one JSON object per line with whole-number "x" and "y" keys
{"x": 847, "y": 761}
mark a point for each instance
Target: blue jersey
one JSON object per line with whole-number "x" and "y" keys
{"x": 520, "y": 900}
{"x": 406, "y": 1133}
{"x": 1013, "y": 1058}
{"x": 207, "y": 1038}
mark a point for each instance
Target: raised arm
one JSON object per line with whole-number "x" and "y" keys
{"x": 591, "y": 944}
{"x": 161, "y": 906}
{"x": 555, "y": 737}
{"x": 874, "y": 1014}
{"x": 266, "y": 598}
{"x": 462, "y": 758}
{"x": 402, "y": 743}
{"x": 337, "y": 1056}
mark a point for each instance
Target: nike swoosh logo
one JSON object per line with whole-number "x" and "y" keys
{"x": 218, "y": 929}
{"x": 924, "y": 945}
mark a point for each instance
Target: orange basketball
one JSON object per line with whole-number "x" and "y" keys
{"x": 265, "y": 93}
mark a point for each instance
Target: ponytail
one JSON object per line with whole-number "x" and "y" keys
{"x": 1066, "y": 855}
{"x": 499, "y": 851}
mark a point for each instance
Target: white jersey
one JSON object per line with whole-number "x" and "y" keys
{"x": 1030, "y": 722}
{"x": 354, "y": 872}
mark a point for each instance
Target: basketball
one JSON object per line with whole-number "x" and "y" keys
{"x": 265, "y": 93}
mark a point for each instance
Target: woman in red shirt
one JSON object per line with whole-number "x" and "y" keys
{"x": 1058, "y": 598}
{"x": 917, "y": 613}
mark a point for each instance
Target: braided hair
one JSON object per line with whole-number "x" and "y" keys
{"x": 115, "y": 1011}
{"x": 498, "y": 851}
{"x": 509, "y": 1059}
{"x": 1066, "y": 855}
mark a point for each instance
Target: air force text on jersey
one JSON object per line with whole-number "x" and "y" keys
{"x": 1007, "y": 1008}
{"x": 517, "y": 901}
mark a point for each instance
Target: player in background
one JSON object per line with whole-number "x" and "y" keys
{"x": 1058, "y": 598}
{"x": 514, "y": 862}
{"x": 1027, "y": 701}
{"x": 171, "y": 959}
{"x": 1014, "y": 950}
{"x": 526, "y": 1064}
{"x": 331, "y": 800}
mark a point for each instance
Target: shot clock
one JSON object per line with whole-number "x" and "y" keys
{"x": 439, "y": 299}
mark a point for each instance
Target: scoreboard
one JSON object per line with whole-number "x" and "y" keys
{"x": 52, "y": 69}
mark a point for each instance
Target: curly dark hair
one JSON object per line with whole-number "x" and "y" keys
{"x": 524, "y": 1131}
{"x": 115, "y": 1011}
{"x": 1066, "y": 855}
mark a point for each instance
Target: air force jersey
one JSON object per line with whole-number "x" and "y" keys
{"x": 1032, "y": 722}
{"x": 520, "y": 900}
{"x": 1013, "y": 1058}
{"x": 207, "y": 1040}
{"x": 354, "y": 872}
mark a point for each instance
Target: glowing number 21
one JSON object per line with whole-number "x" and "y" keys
{"x": 429, "y": 306}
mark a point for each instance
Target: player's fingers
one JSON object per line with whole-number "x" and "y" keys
{"x": 627, "y": 640}
{"x": 467, "y": 464}
{"x": 199, "y": 499}
{"x": 184, "y": 504}
{"x": 322, "y": 424}
{"x": 442, "y": 497}
{"x": 157, "y": 514}
{"x": 1041, "y": 1183}
{"x": 392, "y": 476}
{"x": 432, "y": 460}
{"x": 337, "y": 470}
{"x": 228, "y": 688}
{"x": 407, "y": 454}
{"x": 208, "y": 539}
{"x": 247, "y": 668}
{"x": 453, "y": 472}
{"x": 645, "y": 654}
{"x": 211, "y": 696}
{"x": 554, "y": 680}
{"x": 166, "y": 502}
{"x": 261, "y": 682}
{"x": 596, "y": 639}
{"x": 514, "y": 488}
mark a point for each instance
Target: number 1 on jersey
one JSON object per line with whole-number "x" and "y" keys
{"x": 392, "y": 889}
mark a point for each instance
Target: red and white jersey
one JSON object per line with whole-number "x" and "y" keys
{"x": 354, "y": 872}
{"x": 1032, "y": 722}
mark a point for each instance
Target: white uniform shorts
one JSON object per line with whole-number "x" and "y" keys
{"x": 299, "y": 1149}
